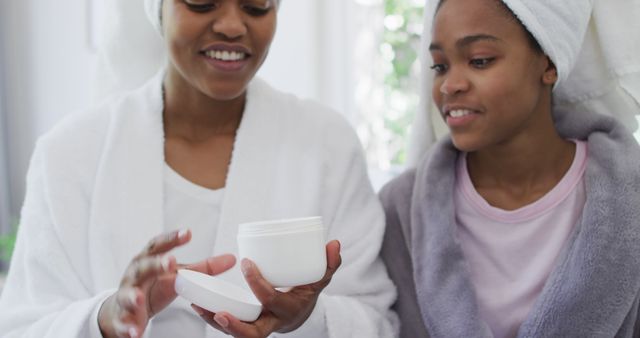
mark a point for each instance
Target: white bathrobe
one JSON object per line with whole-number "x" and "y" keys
{"x": 95, "y": 198}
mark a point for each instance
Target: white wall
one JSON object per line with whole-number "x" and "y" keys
{"x": 295, "y": 44}
{"x": 4, "y": 181}
{"x": 312, "y": 51}
{"x": 49, "y": 65}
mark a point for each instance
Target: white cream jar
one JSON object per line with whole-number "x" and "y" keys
{"x": 288, "y": 252}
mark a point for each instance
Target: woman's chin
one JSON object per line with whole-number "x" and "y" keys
{"x": 226, "y": 92}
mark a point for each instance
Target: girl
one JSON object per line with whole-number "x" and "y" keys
{"x": 526, "y": 220}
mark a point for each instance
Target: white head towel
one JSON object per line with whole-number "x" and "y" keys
{"x": 593, "y": 44}
{"x": 559, "y": 27}
{"x": 130, "y": 51}
{"x": 154, "y": 13}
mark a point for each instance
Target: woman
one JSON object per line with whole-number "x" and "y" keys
{"x": 206, "y": 146}
{"x": 525, "y": 221}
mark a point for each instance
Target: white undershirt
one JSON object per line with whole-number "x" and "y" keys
{"x": 187, "y": 205}
{"x": 510, "y": 254}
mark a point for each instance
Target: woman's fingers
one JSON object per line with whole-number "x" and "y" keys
{"x": 130, "y": 299}
{"x": 268, "y": 296}
{"x": 127, "y": 312}
{"x": 214, "y": 265}
{"x": 227, "y": 323}
{"x": 333, "y": 256}
{"x": 126, "y": 330}
{"x": 150, "y": 263}
{"x": 165, "y": 242}
{"x": 282, "y": 311}
{"x": 207, "y": 316}
{"x": 131, "y": 311}
{"x": 279, "y": 303}
{"x": 264, "y": 326}
{"x": 334, "y": 260}
{"x": 145, "y": 268}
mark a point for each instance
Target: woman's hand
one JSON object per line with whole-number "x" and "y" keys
{"x": 148, "y": 286}
{"x": 282, "y": 311}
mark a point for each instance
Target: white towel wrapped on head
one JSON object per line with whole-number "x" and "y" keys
{"x": 130, "y": 52}
{"x": 558, "y": 26}
{"x": 593, "y": 44}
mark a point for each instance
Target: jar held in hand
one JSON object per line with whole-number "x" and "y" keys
{"x": 289, "y": 252}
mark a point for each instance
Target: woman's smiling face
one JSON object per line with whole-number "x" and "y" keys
{"x": 217, "y": 46}
{"x": 490, "y": 83}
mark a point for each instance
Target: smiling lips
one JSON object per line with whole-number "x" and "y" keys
{"x": 226, "y": 58}
{"x": 225, "y": 55}
{"x": 459, "y": 117}
{"x": 459, "y": 113}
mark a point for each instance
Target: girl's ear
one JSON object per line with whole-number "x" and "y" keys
{"x": 550, "y": 75}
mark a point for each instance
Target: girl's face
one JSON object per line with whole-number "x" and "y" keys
{"x": 490, "y": 84}
{"x": 217, "y": 46}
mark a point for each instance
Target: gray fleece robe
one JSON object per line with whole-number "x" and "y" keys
{"x": 594, "y": 289}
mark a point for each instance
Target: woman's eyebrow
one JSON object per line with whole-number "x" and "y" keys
{"x": 467, "y": 40}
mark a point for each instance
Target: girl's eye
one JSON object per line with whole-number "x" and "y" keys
{"x": 481, "y": 63}
{"x": 439, "y": 68}
{"x": 256, "y": 11}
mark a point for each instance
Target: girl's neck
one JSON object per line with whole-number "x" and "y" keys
{"x": 520, "y": 171}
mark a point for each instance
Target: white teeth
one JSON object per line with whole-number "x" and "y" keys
{"x": 225, "y": 55}
{"x": 459, "y": 113}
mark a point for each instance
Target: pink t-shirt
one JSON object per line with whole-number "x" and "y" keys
{"x": 511, "y": 253}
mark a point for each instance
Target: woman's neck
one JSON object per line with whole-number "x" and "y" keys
{"x": 194, "y": 116}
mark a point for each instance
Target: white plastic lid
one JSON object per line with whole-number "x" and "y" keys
{"x": 215, "y": 295}
{"x": 280, "y": 226}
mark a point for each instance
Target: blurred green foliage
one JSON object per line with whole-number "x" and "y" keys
{"x": 400, "y": 47}
{"x": 8, "y": 242}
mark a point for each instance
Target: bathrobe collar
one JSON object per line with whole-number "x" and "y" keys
{"x": 128, "y": 200}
